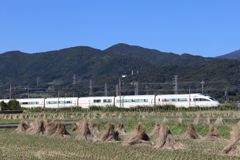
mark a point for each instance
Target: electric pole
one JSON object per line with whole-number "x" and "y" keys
{"x": 136, "y": 88}
{"x": 90, "y": 87}
{"x": 146, "y": 89}
{"x": 202, "y": 86}
{"x": 119, "y": 87}
{"x": 10, "y": 91}
{"x": 175, "y": 84}
{"x": 105, "y": 89}
{"x": 37, "y": 81}
{"x": 74, "y": 79}
{"x": 116, "y": 90}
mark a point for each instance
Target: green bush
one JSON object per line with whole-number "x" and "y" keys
{"x": 13, "y": 105}
{"x": 3, "y": 106}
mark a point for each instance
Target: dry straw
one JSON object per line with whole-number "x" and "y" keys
{"x": 37, "y": 127}
{"x": 56, "y": 129}
{"x": 233, "y": 147}
{"x": 167, "y": 141}
{"x": 139, "y": 136}
{"x": 180, "y": 120}
{"x": 22, "y": 127}
{"x": 60, "y": 116}
{"x": 197, "y": 120}
{"x": 61, "y": 131}
{"x": 191, "y": 133}
{"x": 219, "y": 121}
{"x": 213, "y": 135}
{"x": 165, "y": 120}
{"x": 84, "y": 132}
{"x": 121, "y": 129}
{"x": 110, "y": 135}
{"x": 155, "y": 131}
{"x": 103, "y": 116}
{"x": 208, "y": 120}
{"x": 94, "y": 127}
{"x": 77, "y": 125}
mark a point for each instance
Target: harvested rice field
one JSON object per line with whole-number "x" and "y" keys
{"x": 131, "y": 136}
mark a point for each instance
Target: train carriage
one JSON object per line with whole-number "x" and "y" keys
{"x": 61, "y": 102}
{"x": 31, "y": 102}
{"x": 85, "y": 102}
{"x": 186, "y": 100}
{"x": 134, "y": 100}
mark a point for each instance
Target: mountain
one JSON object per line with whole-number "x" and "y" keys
{"x": 232, "y": 55}
{"x": 156, "y": 57}
{"x": 152, "y": 69}
{"x": 59, "y": 66}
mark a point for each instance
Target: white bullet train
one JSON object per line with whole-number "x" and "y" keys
{"x": 125, "y": 101}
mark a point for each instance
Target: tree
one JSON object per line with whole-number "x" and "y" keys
{"x": 14, "y": 105}
{"x": 3, "y": 106}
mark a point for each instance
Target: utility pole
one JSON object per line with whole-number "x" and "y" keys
{"x": 90, "y": 92}
{"x": 28, "y": 92}
{"x": 189, "y": 90}
{"x": 74, "y": 79}
{"x": 119, "y": 85}
{"x": 175, "y": 84}
{"x": 116, "y": 90}
{"x": 146, "y": 89}
{"x": 226, "y": 94}
{"x": 37, "y": 81}
{"x": 58, "y": 99}
{"x": 105, "y": 89}
{"x": 136, "y": 88}
{"x": 196, "y": 88}
{"x": 202, "y": 86}
{"x": 10, "y": 91}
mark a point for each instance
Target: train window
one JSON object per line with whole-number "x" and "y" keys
{"x": 29, "y": 103}
{"x": 133, "y": 100}
{"x": 168, "y": 100}
{"x": 107, "y": 100}
{"x": 56, "y": 102}
{"x": 97, "y": 101}
{"x": 182, "y": 99}
{"x": 33, "y": 103}
{"x": 23, "y": 103}
{"x": 200, "y": 99}
{"x": 213, "y": 99}
{"x": 51, "y": 102}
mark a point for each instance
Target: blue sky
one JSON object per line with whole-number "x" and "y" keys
{"x": 207, "y": 28}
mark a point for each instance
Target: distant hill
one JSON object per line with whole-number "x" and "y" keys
{"x": 59, "y": 66}
{"x": 232, "y": 55}
{"x": 156, "y": 57}
{"x": 153, "y": 69}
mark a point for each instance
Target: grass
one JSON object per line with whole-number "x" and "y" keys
{"x": 23, "y": 146}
